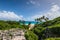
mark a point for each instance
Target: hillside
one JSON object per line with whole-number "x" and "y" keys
{"x": 5, "y": 25}
{"x": 49, "y": 29}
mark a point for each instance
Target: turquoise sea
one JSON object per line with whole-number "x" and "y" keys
{"x": 32, "y": 22}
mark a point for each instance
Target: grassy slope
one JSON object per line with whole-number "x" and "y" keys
{"x": 52, "y": 39}
{"x": 54, "y": 25}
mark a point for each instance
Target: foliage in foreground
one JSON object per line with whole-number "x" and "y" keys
{"x": 52, "y": 39}
{"x": 31, "y": 36}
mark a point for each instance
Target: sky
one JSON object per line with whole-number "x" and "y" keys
{"x": 29, "y": 9}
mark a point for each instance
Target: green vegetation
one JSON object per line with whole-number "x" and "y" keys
{"x": 47, "y": 30}
{"x": 31, "y": 36}
{"x": 4, "y": 25}
{"x": 52, "y": 39}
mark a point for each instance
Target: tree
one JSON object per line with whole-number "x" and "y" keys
{"x": 41, "y": 19}
{"x": 46, "y": 19}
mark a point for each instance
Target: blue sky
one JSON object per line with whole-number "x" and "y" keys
{"x": 28, "y": 9}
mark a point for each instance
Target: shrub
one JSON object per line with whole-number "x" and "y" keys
{"x": 31, "y": 36}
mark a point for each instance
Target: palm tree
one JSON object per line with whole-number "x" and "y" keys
{"x": 38, "y": 19}
{"x": 46, "y": 19}
{"x": 41, "y": 18}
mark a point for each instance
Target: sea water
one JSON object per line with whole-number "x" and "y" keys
{"x": 27, "y": 22}
{"x": 32, "y": 22}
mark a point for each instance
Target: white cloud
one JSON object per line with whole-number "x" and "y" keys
{"x": 55, "y": 8}
{"x": 7, "y": 15}
{"x": 34, "y": 2}
{"x": 51, "y": 13}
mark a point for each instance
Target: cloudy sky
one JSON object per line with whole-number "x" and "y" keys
{"x": 29, "y": 9}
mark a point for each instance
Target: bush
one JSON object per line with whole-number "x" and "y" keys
{"x": 52, "y": 39}
{"x": 31, "y": 36}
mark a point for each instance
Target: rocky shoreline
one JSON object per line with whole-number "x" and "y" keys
{"x": 12, "y": 34}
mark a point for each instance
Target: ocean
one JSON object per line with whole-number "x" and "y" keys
{"x": 32, "y": 22}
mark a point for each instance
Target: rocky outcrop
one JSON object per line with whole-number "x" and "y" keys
{"x": 12, "y": 34}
